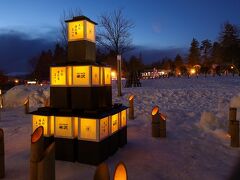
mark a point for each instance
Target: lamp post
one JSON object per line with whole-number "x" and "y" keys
{"x": 232, "y": 117}
{"x": 119, "y": 80}
{"x": 102, "y": 172}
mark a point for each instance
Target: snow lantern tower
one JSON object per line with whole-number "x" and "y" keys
{"x": 81, "y": 119}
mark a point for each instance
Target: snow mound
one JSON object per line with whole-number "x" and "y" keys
{"x": 209, "y": 121}
{"x": 17, "y": 95}
{"x": 235, "y": 101}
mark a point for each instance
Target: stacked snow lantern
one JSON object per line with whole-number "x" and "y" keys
{"x": 81, "y": 119}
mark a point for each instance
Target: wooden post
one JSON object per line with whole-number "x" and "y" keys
{"x": 102, "y": 172}
{"x": 155, "y": 122}
{"x": 232, "y": 117}
{"x": 47, "y": 102}
{"x": 37, "y": 150}
{"x": 120, "y": 172}
{"x": 234, "y": 133}
{"x": 2, "y": 154}
{"x": 46, "y": 167}
{"x": 26, "y": 105}
{"x": 1, "y": 99}
{"x": 162, "y": 126}
{"x": 131, "y": 107}
{"x": 42, "y": 162}
{"x": 119, "y": 77}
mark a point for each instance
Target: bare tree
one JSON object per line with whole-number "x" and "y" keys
{"x": 114, "y": 32}
{"x": 115, "y": 36}
{"x": 63, "y": 35}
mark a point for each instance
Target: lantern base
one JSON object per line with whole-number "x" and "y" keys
{"x": 65, "y": 149}
{"x": 122, "y": 135}
{"x": 48, "y": 141}
{"x": 113, "y": 143}
{"x": 92, "y": 152}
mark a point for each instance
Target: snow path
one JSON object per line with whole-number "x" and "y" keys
{"x": 188, "y": 152}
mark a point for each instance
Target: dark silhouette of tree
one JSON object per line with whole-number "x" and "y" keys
{"x": 216, "y": 53}
{"x": 230, "y": 44}
{"x": 114, "y": 32}
{"x": 41, "y": 71}
{"x": 59, "y": 55}
{"x": 194, "y": 53}
{"x": 206, "y": 47}
{"x": 178, "y": 61}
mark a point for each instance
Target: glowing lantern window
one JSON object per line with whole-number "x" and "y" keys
{"x": 107, "y": 76}
{"x": 123, "y": 118}
{"x": 88, "y": 129}
{"x": 95, "y": 75}
{"x": 69, "y": 75}
{"x": 75, "y": 30}
{"x": 103, "y": 128}
{"x": 81, "y": 75}
{"x": 58, "y": 76}
{"x": 101, "y": 76}
{"x": 46, "y": 121}
{"x": 64, "y": 127}
{"x": 90, "y": 31}
{"x": 114, "y": 123}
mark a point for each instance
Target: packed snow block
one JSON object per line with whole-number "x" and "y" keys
{"x": 48, "y": 141}
{"x": 65, "y": 149}
{"x": 113, "y": 143}
{"x": 122, "y": 134}
{"x": 2, "y": 154}
{"x": 60, "y": 97}
{"x": 91, "y": 98}
{"x": 91, "y": 152}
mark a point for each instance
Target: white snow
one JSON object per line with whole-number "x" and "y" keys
{"x": 197, "y": 145}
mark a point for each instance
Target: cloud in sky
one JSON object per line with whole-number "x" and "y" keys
{"x": 16, "y": 48}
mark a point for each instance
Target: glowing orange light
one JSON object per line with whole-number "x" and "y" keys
{"x": 16, "y": 81}
{"x": 120, "y": 172}
{"x": 113, "y": 74}
{"x": 155, "y": 110}
{"x": 37, "y": 134}
{"x": 192, "y": 71}
{"x": 231, "y": 67}
{"x": 131, "y": 97}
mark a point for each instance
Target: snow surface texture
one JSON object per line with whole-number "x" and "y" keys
{"x": 196, "y": 147}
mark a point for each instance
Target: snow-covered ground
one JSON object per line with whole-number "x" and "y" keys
{"x": 196, "y": 147}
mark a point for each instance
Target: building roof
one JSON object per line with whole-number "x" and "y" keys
{"x": 79, "y": 18}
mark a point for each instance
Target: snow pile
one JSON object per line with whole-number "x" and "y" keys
{"x": 16, "y": 96}
{"x": 196, "y": 146}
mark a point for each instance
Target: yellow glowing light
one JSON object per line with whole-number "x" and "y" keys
{"x": 107, "y": 76}
{"x": 95, "y": 75}
{"x": 114, "y": 123}
{"x": 81, "y": 75}
{"x": 75, "y": 30}
{"x": 131, "y": 97}
{"x": 123, "y": 118}
{"x": 16, "y": 81}
{"x": 104, "y": 127}
{"x": 58, "y": 76}
{"x": 90, "y": 31}
{"x": 155, "y": 110}
{"x": 231, "y": 67}
{"x": 44, "y": 121}
{"x": 113, "y": 74}
{"x": 64, "y": 127}
{"x": 120, "y": 172}
{"x": 69, "y": 75}
{"x": 88, "y": 129}
{"x": 192, "y": 71}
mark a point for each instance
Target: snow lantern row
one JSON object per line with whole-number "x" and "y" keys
{"x": 81, "y": 128}
{"x": 81, "y": 76}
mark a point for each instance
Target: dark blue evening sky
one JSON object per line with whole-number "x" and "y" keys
{"x": 159, "y": 24}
